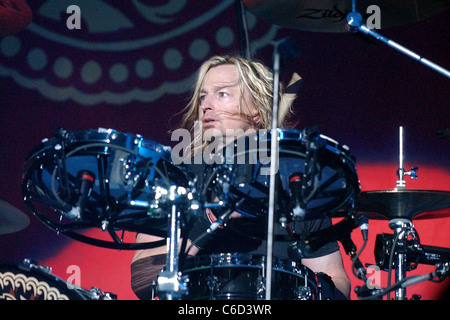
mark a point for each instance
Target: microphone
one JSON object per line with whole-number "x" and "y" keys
{"x": 295, "y": 187}
{"x": 357, "y": 266}
{"x": 363, "y": 222}
{"x": 83, "y": 187}
{"x": 219, "y": 222}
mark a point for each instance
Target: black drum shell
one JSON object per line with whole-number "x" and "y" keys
{"x": 240, "y": 276}
{"x": 248, "y": 156}
{"x": 126, "y": 167}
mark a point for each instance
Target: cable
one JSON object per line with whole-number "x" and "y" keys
{"x": 391, "y": 260}
{"x": 355, "y": 259}
{"x": 66, "y": 206}
{"x": 408, "y": 281}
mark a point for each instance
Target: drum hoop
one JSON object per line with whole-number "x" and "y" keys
{"x": 82, "y": 139}
{"x": 293, "y": 135}
{"x": 249, "y": 262}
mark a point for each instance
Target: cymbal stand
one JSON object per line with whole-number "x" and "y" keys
{"x": 273, "y": 168}
{"x": 400, "y": 250}
{"x": 170, "y": 283}
{"x": 244, "y": 43}
{"x": 354, "y": 21}
{"x": 401, "y": 172}
{"x": 282, "y": 49}
{"x": 402, "y": 228}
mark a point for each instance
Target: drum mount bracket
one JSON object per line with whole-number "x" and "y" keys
{"x": 310, "y": 179}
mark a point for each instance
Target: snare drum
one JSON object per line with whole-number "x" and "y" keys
{"x": 119, "y": 173}
{"x": 29, "y": 281}
{"x": 241, "y": 276}
{"x": 244, "y": 165}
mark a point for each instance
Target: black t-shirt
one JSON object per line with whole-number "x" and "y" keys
{"x": 249, "y": 234}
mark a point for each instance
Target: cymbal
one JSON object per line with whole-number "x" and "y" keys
{"x": 15, "y": 15}
{"x": 330, "y": 15}
{"x": 408, "y": 204}
{"x": 11, "y": 219}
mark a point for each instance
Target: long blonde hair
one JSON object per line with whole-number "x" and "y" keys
{"x": 256, "y": 77}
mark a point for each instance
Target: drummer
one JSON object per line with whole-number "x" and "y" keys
{"x": 233, "y": 93}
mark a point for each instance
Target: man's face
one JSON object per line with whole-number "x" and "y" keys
{"x": 220, "y": 97}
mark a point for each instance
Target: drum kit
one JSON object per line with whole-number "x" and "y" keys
{"x": 119, "y": 182}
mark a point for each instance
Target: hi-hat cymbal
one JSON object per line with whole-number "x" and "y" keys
{"x": 15, "y": 15}
{"x": 407, "y": 204}
{"x": 330, "y": 15}
{"x": 11, "y": 219}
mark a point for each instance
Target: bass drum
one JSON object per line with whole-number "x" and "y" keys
{"x": 29, "y": 281}
{"x": 241, "y": 276}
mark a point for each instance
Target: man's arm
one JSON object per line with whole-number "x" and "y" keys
{"x": 147, "y": 263}
{"x": 333, "y": 266}
{"x": 145, "y": 266}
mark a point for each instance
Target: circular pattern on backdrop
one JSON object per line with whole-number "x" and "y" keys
{"x": 63, "y": 68}
{"x": 144, "y": 46}
{"x": 118, "y": 73}
{"x": 37, "y": 59}
{"x": 199, "y": 49}
{"x": 10, "y": 46}
{"x": 144, "y": 68}
{"x": 91, "y": 72}
{"x": 172, "y": 59}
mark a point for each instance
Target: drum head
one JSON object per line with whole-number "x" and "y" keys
{"x": 123, "y": 170}
{"x": 246, "y": 162}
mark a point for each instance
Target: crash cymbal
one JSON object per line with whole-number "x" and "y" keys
{"x": 407, "y": 204}
{"x": 330, "y": 15}
{"x": 15, "y": 15}
{"x": 11, "y": 219}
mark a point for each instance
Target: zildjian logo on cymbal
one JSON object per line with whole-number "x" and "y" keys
{"x": 316, "y": 14}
